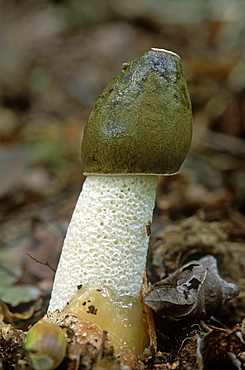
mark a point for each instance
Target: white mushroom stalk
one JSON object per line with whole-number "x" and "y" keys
{"x": 139, "y": 128}
{"x": 104, "y": 257}
{"x": 106, "y": 243}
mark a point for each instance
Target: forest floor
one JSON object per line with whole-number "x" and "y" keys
{"x": 56, "y": 58}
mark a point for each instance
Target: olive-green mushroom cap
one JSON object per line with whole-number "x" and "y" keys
{"x": 142, "y": 121}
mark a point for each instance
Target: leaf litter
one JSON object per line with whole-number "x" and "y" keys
{"x": 48, "y": 85}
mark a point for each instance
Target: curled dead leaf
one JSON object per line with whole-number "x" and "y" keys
{"x": 193, "y": 292}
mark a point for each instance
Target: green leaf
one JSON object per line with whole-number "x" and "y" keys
{"x": 9, "y": 274}
{"x": 14, "y": 295}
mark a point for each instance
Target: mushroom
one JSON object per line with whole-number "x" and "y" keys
{"x": 140, "y": 128}
{"x": 45, "y": 345}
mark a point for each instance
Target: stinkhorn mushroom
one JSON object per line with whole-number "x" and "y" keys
{"x": 140, "y": 128}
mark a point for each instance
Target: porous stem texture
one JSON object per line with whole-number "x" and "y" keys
{"x": 106, "y": 243}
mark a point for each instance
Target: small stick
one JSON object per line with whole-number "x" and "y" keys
{"x": 102, "y": 347}
{"x": 42, "y": 263}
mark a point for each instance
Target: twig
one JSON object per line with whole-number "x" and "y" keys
{"x": 42, "y": 263}
{"x": 102, "y": 347}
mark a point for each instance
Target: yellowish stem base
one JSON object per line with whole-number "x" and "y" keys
{"x": 124, "y": 319}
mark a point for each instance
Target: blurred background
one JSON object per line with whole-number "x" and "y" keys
{"x": 55, "y": 59}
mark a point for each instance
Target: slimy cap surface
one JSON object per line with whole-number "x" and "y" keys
{"x": 142, "y": 121}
